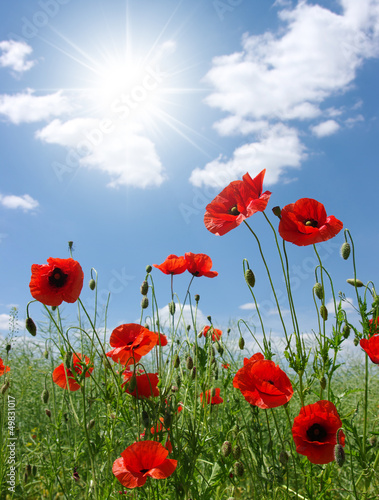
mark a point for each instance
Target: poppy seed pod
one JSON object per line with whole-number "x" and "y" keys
{"x": 92, "y": 284}
{"x": 148, "y": 269}
{"x": 345, "y": 250}
{"x": 45, "y": 396}
{"x": 339, "y": 455}
{"x": 323, "y": 312}
{"x": 319, "y": 291}
{"x": 250, "y": 278}
{"x": 144, "y": 287}
{"x": 241, "y": 343}
{"x": 357, "y": 283}
{"x": 145, "y": 303}
{"x": 239, "y": 469}
{"x": 226, "y": 448}
{"x": 31, "y": 326}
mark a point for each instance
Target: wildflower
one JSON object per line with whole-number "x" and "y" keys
{"x": 145, "y": 387}
{"x": 140, "y": 460}
{"x": 3, "y": 369}
{"x": 314, "y": 432}
{"x": 57, "y": 281}
{"x": 213, "y": 399}
{"x": 238, "y": 201}
{"x": 371, "y": 347}
{"x": 216, "y": 334}
{"x": 199, "y": 264}
{"x": 132, "y": 341}
{"x": 172, "y": 265}
{"x": 262, "y": 383}
{"x": 305, "y": 223}
{"x": 63, "y": 376}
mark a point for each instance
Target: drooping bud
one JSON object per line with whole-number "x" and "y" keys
{"x": 46, "y": 354}
{"x": 237, "y": 451}
{"x": 145, "y": 303}
{"x": 5, "y": 387}
{"x": 277, "y": 211}
{"x": 189, "y": 363}
{"x": 345, "y": 250}
{"x": 209, "y": 318}
{"x": 323, "y": 382}
{"x": 148, "y": 269}
{"x": 176, "y": 361}
{"x": 356, "y": 341}
{"x": 45, "y": 396}
{"x": 241, "y": 343}
{"x": 226, "y": 448}
{"x": 48, "y": 412}
{"x": 132, "y": 382}
{"x": 197, "y": 297}
{"x": 31, "y": 326}
{"x": 91, "y": 424}
{"x": 250, "y": 278}
{"x": 346, "y": 331}
{"x": 323, "y": 312}
{"x": 283, "y": 458}
{"x": 178, "y": 381}
{"x": 171, "y": 308}
{"x": 357, "y": 283}
{"x": 239, "y": 469}
{"x": 92, "y": 284}
{"x": 339, "y": 455}
{"x": 319, "y": 291}
{"x": 193, "y": 375}
{"x": 220, "y": 349}
{"x": 144, "y": 287}
{"x": 8, "y": 347}
{"x": 200, "y": 334}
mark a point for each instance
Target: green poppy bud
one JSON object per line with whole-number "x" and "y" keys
{"x": 356, "y": 341}
{"x": 193, "y": 375}
{"x": 209, "y": 318}
{"x": 53, "y": 308}
{"x": 8, "y": 347}
{"x": 68, "y": 360}
{"x": 220, "y": 349}
{"x": 276, "y": 211}
{"x": 148, "y": 269}
{"x": 239, "y": 469}
{"x": 45, "y": 396}
{"x": 145, "y": 303}
{"x": 241, "y": 343}
{"x": 91, "y": 424}
{"x": 171, "y": 308}
{"x": 144, "y": 288}
{"x": 176, "y": 361}
{"x": 197, "y": 297}
{"x": 373, "y": 440}
{"x": 339, "y": 455}
{"x": 31, "y": 326}
{"x": 189, "y": 363}
{"x": 46, "y": 354}
{"x": 5, "y": 387}
{"x": 346, "y": 331}
{"x": 318, "y": 290}
{"x": 226, "y": 448}
{"x": 357, "y": 283}
{"x": 250, "y": 278}
{"x": 92, "y": 284}
{"x": 132, "y": 383}
{"x": 323, "y": 382}
{"x": 324, "y": 313}
{"x": 345, "y": 250}
{"x": 237, "y": 451}
{"x": 178, "y": 381}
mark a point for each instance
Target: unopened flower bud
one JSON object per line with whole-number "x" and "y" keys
{"x": 92, "y": 284}
{"x": 200, "y": 334}
{"x": 318, "y": 290}
{"x": 239, "y": 469}
{"x": 46, "y": 354}
{"x": 356, "y": 341}
{"x": 323, "y": 382}
{"x": 31, "y": 326}
{"x": 5, "y": 387}
{"x": 8, "y": 347}
{"x": 237, "y": 451}
{"x": 283, "y": 458}
{"x": 339, "y": 455}
{"x": 346, "y": 331}
{"x": 345, "y": 250}
{"x": 48, "y": 412}
{"x": 197, "y": 297}
{"x": 241, "y": 343}
{"x": 70, "y": 245}
{"x": 53, "y": 308}
{"x": 193, "y": 375}
{"x": 145, "y": 418}
{"x": 176, "y": 361}
{"x": 323, "y": 312}
{"x": 276, "y": 211}
{"x": 226, "y": 448}
{"x": 250, "y": 278}
{"x": 357, "y": 283}
{"x": 209, "y": 318}
{"x": 68, "y": 360}
{"x": 45, "y": 396}
{"x": 144, "y": 288}
{"x": 174, "y": 388}
{"x": 373, "y": 440}
{"x": 145, "y": 303}
{"x": 189, "y": 363}
{"x": 178, "y": 381}
{"x": 171, "y": 308}
{"x": 148, "y": 269}
{"x": 220, "y": 349}
{"x": 132, "y": 382}
{"x": 90, "y": 424}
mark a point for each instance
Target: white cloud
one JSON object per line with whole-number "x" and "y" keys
{"x": 26, "y": 107}
{"x": 165, "y": 316}
{"x": 25, "y": 202}
{"x": 250, "y": 306}
{"x": 326, "y": 128}
{"x": 14, "y": 54}
{"x": 278, "y": 148}
{"x": 4, "y": 323}
{"x": 123, "y": 152}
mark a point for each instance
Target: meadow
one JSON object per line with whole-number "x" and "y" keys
{"x": 183, "y": 410}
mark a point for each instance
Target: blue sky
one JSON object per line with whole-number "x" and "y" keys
{"x": 121, "y": 120}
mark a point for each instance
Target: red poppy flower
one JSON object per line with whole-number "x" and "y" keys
{"x": 3, "y": 369}
{"x": 374, "y": 326}
{"x": 371, "y": 347}
{"x": 199, "y": 264}
{"x": 172, "y": 265}
{"x": 216, "y": 334}
{"x": 132, "y": 341}
{"x": 59, "y": 280}
{"x": 315, "y": 432}
{"x": 238, "y": 201}
{"x": 305, "y": 223}
{"x": 140, "y": 460}
{"x": 254, "y": 357}
{"x": 213, "y": 400}
{"x": 262, "y": 383}
{"x": 146, "y": 384}
{"x": 226, "y": 366}
{"x": 59, "y": 374}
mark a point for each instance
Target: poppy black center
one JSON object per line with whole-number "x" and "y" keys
{"x": 57, "y": 278}
{"x": 234, "y": 210}
{"x": 311, "y": 222}
{"x": 270, "y": 382}
{"x": 143, "y": 471}
{"x": 316, "y": 433}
